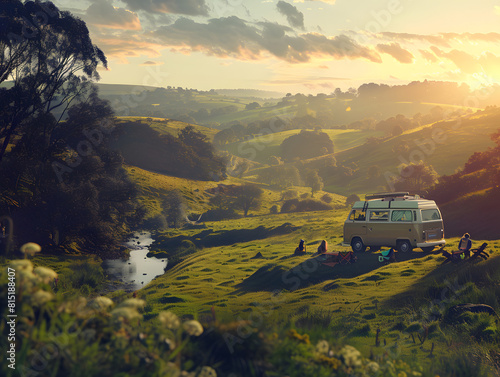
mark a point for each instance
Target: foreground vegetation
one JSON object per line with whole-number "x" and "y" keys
{"x": 337, "y": 321}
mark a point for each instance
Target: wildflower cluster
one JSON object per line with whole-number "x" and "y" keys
{"x": 97, "y": 335}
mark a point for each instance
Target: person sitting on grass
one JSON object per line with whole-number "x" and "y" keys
{"x": 301, "y": 249}
{"x": 465, "y": 244}
{"x": 322, "y": 248}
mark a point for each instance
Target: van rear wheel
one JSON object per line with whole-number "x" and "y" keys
{"x": 357, "y": 245}
{"x": 404, "y": 246}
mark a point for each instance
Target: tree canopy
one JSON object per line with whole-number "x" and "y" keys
{"x": 61, "y": 182}
{"x": 49, "y": 56}
{"x": 306, "y": 144}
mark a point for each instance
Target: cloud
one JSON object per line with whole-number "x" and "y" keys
{"x": 125, "y": 45}
{"x": 294, "y": 17}
{"x": 102, "y": 13}
{"x": 443, "y": 39}
{"x": 150, "y": 62}
{"x": 473, "y": 37}
{"x": 429, "y": 56}
{"x": 321, "y": 1}
{"x": 439, "y": 40}
{"x": 397, "y": 52}
{"x": 464, "y": 61}
{"x": 188, "y": 7}
{"x": 486, "y": 62}
{"x": 233, "y": 37}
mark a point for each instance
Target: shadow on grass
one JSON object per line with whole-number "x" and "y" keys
{"x": 209, "y": 238}
{"x": 312, "y": 271}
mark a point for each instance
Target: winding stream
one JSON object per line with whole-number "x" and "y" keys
{"x": 136, "y": 271}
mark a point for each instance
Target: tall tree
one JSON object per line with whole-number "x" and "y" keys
{"x": 49, "y": 56}
{"x": 314, "y": 181}
{"x": 248, "y": 197}
{"x": 416, "y": 177}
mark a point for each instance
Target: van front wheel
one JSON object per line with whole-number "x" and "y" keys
{"x": 404, "y": 246}
{"x": 357, "y": 245}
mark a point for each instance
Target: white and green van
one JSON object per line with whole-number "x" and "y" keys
{"x": 395, "y": 220}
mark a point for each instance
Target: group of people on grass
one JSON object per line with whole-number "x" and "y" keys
{"x": 301, "y": 249}
{"x": 464, "y": 246}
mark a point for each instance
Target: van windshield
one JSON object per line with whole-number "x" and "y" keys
{"x": 430, "y": 214}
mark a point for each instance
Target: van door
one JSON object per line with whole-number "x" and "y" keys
{"x": 378, "y": 232}
{"x": 401, "y": 227}
{"x": 355, "y": 225}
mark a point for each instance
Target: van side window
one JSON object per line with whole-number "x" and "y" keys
{"x": 357, "y": 215}
{"x": 430, "y": 214}
{"x": 401, "y": 215}
{"x": 379, "y": 215}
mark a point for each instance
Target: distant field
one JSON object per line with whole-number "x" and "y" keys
{"x": 262, "y": 147}
{"x": 261, "y": 113}
{"x": 153, "y": 186}
{"x": 446, "y": 146}
{"x": 167, "y": 126}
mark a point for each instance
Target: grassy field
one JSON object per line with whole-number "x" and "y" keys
{"x": 154, "y": 186}
{"x": 266, "y": 146}
{"x": 244, "y": 279}
{"x": 168, "y": 126}
{"x": 352, "y": 301}
{"x": 446, "y": 146}
{"x": 243, "y": 286}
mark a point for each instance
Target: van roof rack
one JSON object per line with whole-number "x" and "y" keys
{"x": 386, "y": 195}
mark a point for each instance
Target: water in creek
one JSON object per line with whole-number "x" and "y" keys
{"x": 138, "y": 270}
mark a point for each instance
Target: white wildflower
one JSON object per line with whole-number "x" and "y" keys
{"x": 372, "y": 368}
{"x": 124, "y": 313}
{"x": 193, "y": 327}
{"x": 21, "y": 264}
{"x": 45, "y": 274}
{"x": 169, "y": 320}
{"x": 207, "y": 372}
{"x": 100, "y": 303}
{"x": 26, "y": 278}
{"x": 322, "y": 347}
{"x": 133, "y": 303}
{"x": 350, "y": 356}
{"x": 30, "y": 248}
{"x": 40, "y": 297}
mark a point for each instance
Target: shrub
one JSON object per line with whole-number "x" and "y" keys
{"x": 220, "y": 214}
{"x": 296, "y": 205}
{"x": 326, "y": 198}
{"x": 274, "y": 209}
{"x": 351, "y": 199}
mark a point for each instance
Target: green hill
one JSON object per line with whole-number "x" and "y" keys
{"x": 444, "y": 145}
{"x": 262, "y": 147}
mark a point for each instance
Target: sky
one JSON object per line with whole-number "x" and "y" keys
{"x": 306, "y": 46}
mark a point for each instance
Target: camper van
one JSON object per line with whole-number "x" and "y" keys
{"x": 395, "y": 220}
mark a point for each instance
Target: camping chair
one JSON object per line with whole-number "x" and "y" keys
{"x": 458, "y": 256}
{"x": 479, "y": 252}
{"x": 346, "y": 257}
{"x": 387, "y": 256}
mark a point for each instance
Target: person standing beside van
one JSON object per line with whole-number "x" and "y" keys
{"x": 465, "y": 244}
